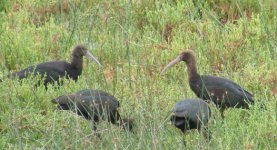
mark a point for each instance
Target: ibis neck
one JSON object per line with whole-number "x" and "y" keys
{"x": 192, "y": 70}
{"x": 77, "y": 62}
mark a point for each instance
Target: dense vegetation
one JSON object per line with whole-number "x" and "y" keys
{"x": 134, "y": 40}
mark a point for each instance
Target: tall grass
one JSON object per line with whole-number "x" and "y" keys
{"x": 134, "y": 40}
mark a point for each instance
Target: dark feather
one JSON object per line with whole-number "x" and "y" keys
{"x": 225, "y": 93}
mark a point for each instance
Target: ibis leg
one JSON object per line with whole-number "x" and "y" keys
{"x": 184, "y": 141}
{"x": 222, "y": 113}
{"x": 95, "y": 130}
{"x": 206, "y": 133}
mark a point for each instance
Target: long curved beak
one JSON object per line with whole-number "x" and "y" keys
{"x": 173, "y": 62}
{"x": 88, "y": 54}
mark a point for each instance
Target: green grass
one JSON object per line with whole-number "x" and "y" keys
{"x": 134, "y": 40}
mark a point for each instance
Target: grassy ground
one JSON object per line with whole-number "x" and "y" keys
{"x": 134, "y": 40}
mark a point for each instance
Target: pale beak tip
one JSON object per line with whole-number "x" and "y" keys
{"x": 163, "y": 72}
{"x": 94, "y": 58}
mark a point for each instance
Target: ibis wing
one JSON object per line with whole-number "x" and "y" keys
{"x": 98, "y": 94}
{"x": 23, "y": 73}
{"x": 88, "y": 92}
{"x": 220, "y": 88}
{"x": 194, "y": 110}
{"x": 52, "y": 70}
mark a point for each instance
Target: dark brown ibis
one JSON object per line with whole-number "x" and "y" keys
{"x": 191, "y": 114}
{"x": 93, "y": 105}
{"x": 54, "y": 70}
{"x": 224, "y": 93}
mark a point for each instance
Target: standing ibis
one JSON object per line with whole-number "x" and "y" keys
{"x": 93, "y": 105}
{"x": 191, "y": 114}
{"x": 54, "y": 70}
{"x": 224, "y": 93}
